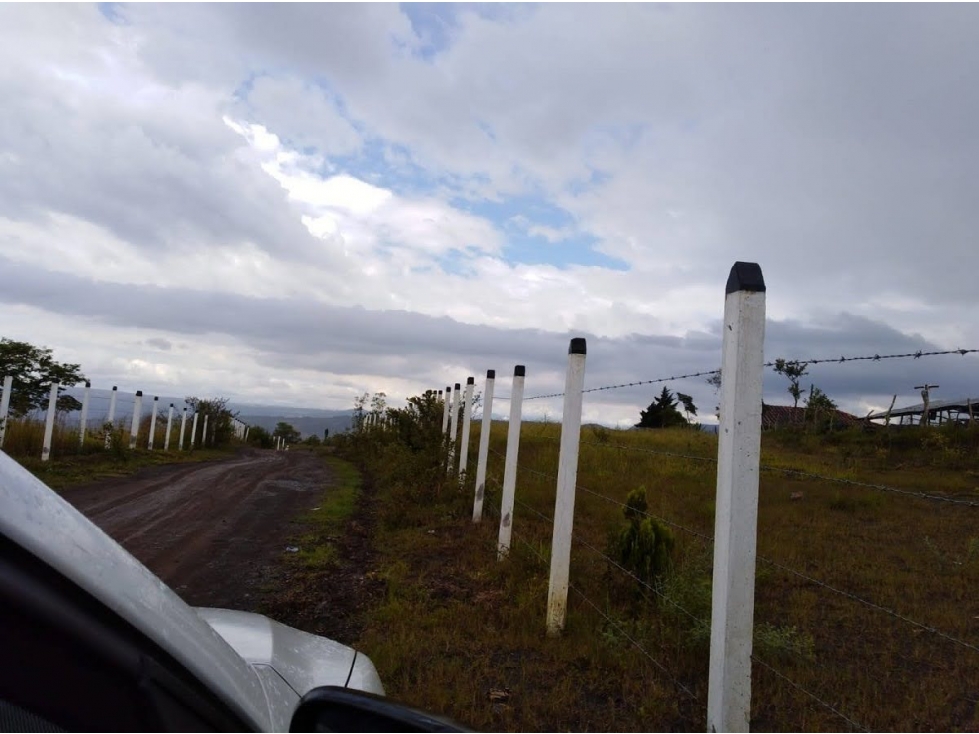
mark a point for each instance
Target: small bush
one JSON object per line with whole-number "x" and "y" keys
{"x": 645, "y": 545}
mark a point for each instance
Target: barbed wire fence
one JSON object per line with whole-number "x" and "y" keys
{"x": 89, "y": 420}
{"x": 513, "y": 512}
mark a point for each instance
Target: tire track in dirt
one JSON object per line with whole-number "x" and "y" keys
{"x": 212, "y": 530}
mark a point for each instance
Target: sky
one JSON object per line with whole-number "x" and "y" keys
{"x": 296, "y": 204}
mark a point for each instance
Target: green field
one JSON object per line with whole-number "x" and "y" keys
{"x": 462, "y": 634}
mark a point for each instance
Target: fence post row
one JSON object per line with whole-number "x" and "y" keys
{"x": 49, "y": 423}
{"x": 736, "y": 521}
{"x": 467, "y": 410}
{"x": 567, "y": 476}
{"x": 8, "y": 382}
{"x": 446, "y": 407}
{"x": 149, "y": 444}
{"x": 484, "y": 437}
{"x": 510, "y": 463}
{"x": 84, "y": 416}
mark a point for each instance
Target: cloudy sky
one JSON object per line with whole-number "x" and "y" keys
{"x": 297, "y": 204}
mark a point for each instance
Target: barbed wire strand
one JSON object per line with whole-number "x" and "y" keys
{"x": 868, "y": 603}
{"x": 869, "y": 485}
{"x": 810, "y": 694}
{"x": 794, "y": 472}
{"x": 794, "y": 572}
{"x": 821, "y": 360}
{"x": 662, "y": 668}
{"x": 637, "y": 383}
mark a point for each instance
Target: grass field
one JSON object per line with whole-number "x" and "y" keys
{"x": 73, "y": 462}
{"x": 462, "y": 634}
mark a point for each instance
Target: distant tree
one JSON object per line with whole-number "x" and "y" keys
{"x": 661, "y": 413}
{"x": 793, "y": 371}
{"x": 312, "y": 440}
{"x": 260, "y": 437}
{"x": 220, "y": 425}
{"x": 687, "y": 402}
{"x": 288, "y": 433}
{"x": 34, "y": 370}
{"x": 819, "y": 407}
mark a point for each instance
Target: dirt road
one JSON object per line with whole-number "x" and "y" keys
{"x": 211, "y": 531}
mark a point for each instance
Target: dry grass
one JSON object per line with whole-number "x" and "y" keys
{"x": 457, "y": 628}
{"x": 74, "y": 463}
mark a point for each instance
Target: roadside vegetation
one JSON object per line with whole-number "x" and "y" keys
{"x": 462, "y": 634}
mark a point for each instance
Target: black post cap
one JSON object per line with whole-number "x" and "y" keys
{"x": 440, "y": 392}
{"x": 87, "y": 383}
{"x": 171, "y": 405}
{"x": 114, "y": 387}
{"x": 139, "y": 393}
{"x": 490, "y": 374}
{"x": 156, "y": 398}
{"x": 745, "y": 277}
{"x": 577, "y": 346}
{"x": 519, "y": 371}
{"x": 470, "y": 380}
{"x": 448, "y": 388}
{"x": 458, "y": 386}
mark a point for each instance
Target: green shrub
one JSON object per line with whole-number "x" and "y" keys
{"x": 645, "y": 545}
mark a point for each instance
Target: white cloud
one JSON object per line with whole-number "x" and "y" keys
{"x": 215, "y": 149}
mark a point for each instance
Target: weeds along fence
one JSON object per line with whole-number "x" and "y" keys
{"x": 113, "y": 422}
{"x": 825, "y": 583}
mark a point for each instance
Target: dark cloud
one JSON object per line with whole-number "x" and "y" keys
{"x": 292, "y": 334}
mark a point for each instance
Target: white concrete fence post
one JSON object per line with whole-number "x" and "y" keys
{"x": 247, "y": 429}
{"x": 149, "y": 443}
{"x": 83, "y": 419}
{"x": 134, "y": 429}
{"x": 166, "y": 441}
{"x": 484, "y": 437}
{"x": 8, "y": 383}
{"x": 467, "y": 412}
{"x": 183, "y": 425}
{"x": 510, "y": 463}
{"x": 111, "y": 417}
{"x": 204, "y": 433}
{"x": 567, "y": 477}
{"x": 49, "y": 423}
{"x": 453, "y": 425}
{"x": 736, "y": 520}
{"x": 446, "y": 408}
{"x": 193, "y": 430}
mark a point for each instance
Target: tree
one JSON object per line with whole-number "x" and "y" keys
{"x": 287, "y": 432}
{"x": 793, "y": 371}
{"x": 34, "y": 369}
{"x": 819, "y": 407}
{"x": 661, "y": 413}
{"x": 687, "y": 402}
{"x": 258, "y": 435}
{"x": 220, "y": 428}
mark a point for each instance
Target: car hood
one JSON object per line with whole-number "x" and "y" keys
{"x": 45, "y": 525}
{"x": 303, "y": 660}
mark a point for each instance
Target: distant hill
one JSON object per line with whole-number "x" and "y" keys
{"x": 306, "y": 425}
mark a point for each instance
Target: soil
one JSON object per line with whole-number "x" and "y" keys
{"x": 217, "y": 533}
